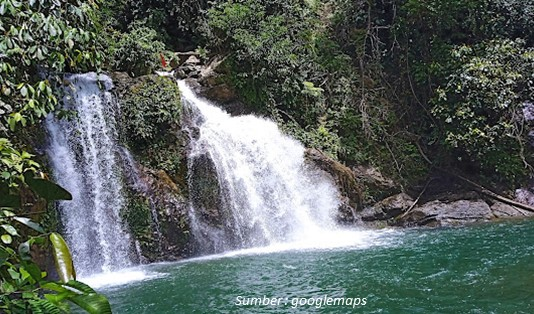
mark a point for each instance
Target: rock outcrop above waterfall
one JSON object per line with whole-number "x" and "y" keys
{"x": 209, "y": 81}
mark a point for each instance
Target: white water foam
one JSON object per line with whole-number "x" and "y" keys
{"x": 269, "y": 194}
{"x": 121, "y": 277}
{"x": 345, "y": 240}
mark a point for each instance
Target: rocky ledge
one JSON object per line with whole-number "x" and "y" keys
{"x": 458, "y": 209}
{"x": 371, "y": 199}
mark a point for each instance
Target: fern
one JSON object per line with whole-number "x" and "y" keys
{"x": 44, "y": 307}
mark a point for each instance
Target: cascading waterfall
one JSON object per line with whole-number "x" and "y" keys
{"x": 83, "y": 154}
{"x": 269, "y": 195}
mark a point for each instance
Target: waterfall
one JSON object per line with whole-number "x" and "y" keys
{"x": 83, "y": 155}
{"x": 268, "y": 194}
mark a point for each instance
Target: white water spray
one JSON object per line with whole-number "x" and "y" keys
{"x": 269, "y": 195}
{"x": 83, "y": 156}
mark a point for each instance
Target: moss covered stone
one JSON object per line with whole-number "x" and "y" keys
{"x": 151, "y": 111}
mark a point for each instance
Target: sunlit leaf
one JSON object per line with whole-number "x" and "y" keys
{"x": 6, "y": 238}
{"x": 62, "y": 258}
{"x": 27, "y": 222}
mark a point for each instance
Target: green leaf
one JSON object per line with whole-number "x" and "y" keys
{"x": 46, "y": 189}
{"x": 6, "y": 238}
{"x": 54, "y": 286}
{"x": 62, "y": 258}
{"x": 11, "y": 123}
{"x": 3, "y": 255}
{"x": 87, "y": 299}
{"x": 24, "y": 91}
{"x": 14, "y": 274}
{"x": 28, "y": 223}
{"x": 34, "y": 271}
{"x": 10, "y": 229}
{"x": 92, "y": 303}
{"x": 42, "y": 86}
{"x": 9, "y": 200}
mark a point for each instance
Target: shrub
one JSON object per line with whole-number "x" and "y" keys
{"x": 151, "y": 110}
{"x": 137, "y": 52}
{"x": 41, "y": 37}
{"x": 480, "y": 107}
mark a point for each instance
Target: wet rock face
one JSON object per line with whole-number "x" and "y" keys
{"x": 206, "y": 198}
{"x": 164, "y": 232}
{"x": 155, "y": 170}
{"x": 501, "y": 210}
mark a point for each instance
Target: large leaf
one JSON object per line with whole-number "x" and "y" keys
{"x": 46, "y": 189}
{"x": 80, "y": 294}
{"x": 93, "y": 303}
{"x": 30, "y": 224}
{"x": 63, "y": 258}
{"x": 9, "y": 200}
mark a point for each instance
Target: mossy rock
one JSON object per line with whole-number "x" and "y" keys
{"x": 151, "y": 110}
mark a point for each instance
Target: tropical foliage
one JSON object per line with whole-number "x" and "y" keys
{"x": 482, "y": 106}
{"x": 368, "y": 82}
{"x": 378, "y": 81}
{"x": 24, "y": 286}
{"x": 136, "y": 52}
{"x": 40, "y": 40}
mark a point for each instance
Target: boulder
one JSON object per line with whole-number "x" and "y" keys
{"x": 349, "y": 188}
{"x": 206, "y": 198}
{"x": 154, "y": 193}
{"x": 221, "y": 93}
{"x": 376, "y": 185}
{"x": 501, "y": 210}
{"x": 387, "y": 208}
{"x": 192, "y": 60}
{"x": 437, "y": 213}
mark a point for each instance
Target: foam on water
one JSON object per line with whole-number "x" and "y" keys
{"x": 121, "y": 277}
{"x": 345, "y": 239}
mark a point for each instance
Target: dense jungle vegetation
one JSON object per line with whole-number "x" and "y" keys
{"x": 372, "y": 82}
{"x": 388, "y": 83}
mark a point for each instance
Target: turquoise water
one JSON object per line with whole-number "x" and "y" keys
{"x": 477, "y": 269}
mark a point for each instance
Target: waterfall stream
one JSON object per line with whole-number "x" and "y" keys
{"x": 83, "y": 155}
{"x": 268, "y": 194}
